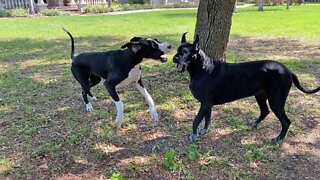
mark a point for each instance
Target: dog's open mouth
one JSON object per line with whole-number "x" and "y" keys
{"x": 163, "y": 59}
{"x": 180, "y": 67}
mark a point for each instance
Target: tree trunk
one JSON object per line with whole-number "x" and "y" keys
{"x": 260, "y": 5}
{"x": 288, "y": 3}
{"x": 213, "y": 26}
{"x": 235, "y": 7}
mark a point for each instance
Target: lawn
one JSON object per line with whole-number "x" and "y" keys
{"x": 46, "y": 133}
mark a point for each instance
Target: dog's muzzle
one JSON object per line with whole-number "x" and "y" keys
{"x": 180, "y": 67}
{"x": 163, "y": 59}
{"x": 165, "y": 48}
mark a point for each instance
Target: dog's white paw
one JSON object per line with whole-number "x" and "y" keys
{"x": 89, "y": 107}
{"x": 154, "y": 115}
{"x": 93, "y": 98}
{"x": 118, "y": 122}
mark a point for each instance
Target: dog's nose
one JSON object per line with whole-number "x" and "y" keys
{"x": 169, "y": 46}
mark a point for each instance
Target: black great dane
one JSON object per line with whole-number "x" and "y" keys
{"x": 119, "y": 68}
{"x": 214, "y": 82}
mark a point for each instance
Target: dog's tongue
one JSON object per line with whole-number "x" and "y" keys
{"x": 180, "y": 67}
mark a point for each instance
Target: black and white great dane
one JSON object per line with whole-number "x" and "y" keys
{"x": 214, "y": 82}
{"x": 119, "y": 68}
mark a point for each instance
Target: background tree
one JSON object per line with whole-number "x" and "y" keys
{"x": 213, "y": 26}
{"x": 260, "y": 5}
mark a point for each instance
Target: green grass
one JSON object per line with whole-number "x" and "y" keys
{"x": 46, "y": 133}
{"x": 299, "y": 21}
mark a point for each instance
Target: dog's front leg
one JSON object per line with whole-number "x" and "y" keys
{"x": 208, "y": 122}
{"x": 112, "y": 91}
{"x": 204, "y": 110}
{"x": 152, "y": 108}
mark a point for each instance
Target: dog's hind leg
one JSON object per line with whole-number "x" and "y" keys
{"x": 83, "y": 78}
{"x": 112, "y": 91}
{"x": 204, "y": 109}
{"x": 277, "y": 101}
{"x": 285, "y": 123}
{"x": 152, "y": 108}
{"x": 94, "y": 80}
{"x": 264, "y": 110}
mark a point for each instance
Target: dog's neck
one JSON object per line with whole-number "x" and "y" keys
{"x": 203, "y": 62}
{"x": 207, "y": 63}
{"x": 135, "y": 57}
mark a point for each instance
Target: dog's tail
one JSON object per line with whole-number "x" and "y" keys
{"x": 297, "y": 84}
{"x": 72, "y": 43}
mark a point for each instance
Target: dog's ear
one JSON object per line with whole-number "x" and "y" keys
{"x": 183, "y": 39}
{"x": 134, "y": 46}
{"x": 135, "y": 39}
{"x": 196, "y": 42}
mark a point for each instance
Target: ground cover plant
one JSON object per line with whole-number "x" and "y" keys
{"x": 46, "y": 133}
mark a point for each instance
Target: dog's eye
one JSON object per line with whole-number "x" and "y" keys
{"x": 184, "y": 51}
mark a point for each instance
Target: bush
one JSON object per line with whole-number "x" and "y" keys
{"x": 5, "y": 13}
{"x": 97, "y": 9}
{"x": 21, "y": 12}
{"x": 299, "y": 2}
{"x": 129, "y": 7}
{"x": 137, "y": 6}
{"x": 138, "y": 1}
{"x": 116, "y": 8}
{"x": 53, "y": 12}
{"x": 271, "y": 2}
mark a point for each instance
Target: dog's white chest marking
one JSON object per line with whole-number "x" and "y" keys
{"x": 134, "y": 76}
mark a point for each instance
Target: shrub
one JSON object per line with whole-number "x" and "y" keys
{"x": 147, "y": 6}
{"x": 299, "y": 2}
{"x": 21, "y": 12}
{"x": 5, "y": 13}
{"x": 137, "y": 6}
{"x": 127, "y": 7}
{"x": 179, "y": 5}
{"x": 138, "y": 1}
{"x": 116, "y": 8}
{"x": 53, "y": 12}
{"x": 97, "y": 9}
{"x": 271, "y": 2}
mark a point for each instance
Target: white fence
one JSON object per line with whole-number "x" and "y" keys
{"x": 12, "y": 4}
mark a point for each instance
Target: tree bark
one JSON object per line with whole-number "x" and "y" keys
{"x": 260, "y": 5}
{"x": 213, "y": 26}
{"x": 288, "y": 3}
